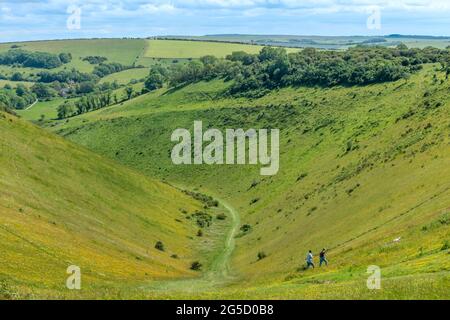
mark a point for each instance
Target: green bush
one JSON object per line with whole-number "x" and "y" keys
{"x": 196, "y": 266}
{"x": 159, "y": 246}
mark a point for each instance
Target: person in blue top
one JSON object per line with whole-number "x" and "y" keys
{"x": 310, "y": 260}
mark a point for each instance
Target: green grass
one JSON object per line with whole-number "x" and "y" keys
{"x": 124, "y": 77}
{"x": 14, "y": 84}
{"x": 62, "y": 205}
{"x": 191, "y": 49}
{"x": 324, "y": 42}
{"x": 391, "y": 182}
{"x": 47, "y": 108}
{"x": 125, "y": 51}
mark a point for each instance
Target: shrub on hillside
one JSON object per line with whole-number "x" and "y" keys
{"x": 261, "y": 255}
{"x": 196, "y": 266}
{"x": 159, "y": 246}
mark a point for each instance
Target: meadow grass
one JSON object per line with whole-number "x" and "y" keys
{"x": 360, "y": 167}
{"x": 124, "y": 77}
{"x": 190, "y": 49}
{"x": 62, "y": 205}
{"x": 124, "y": 51}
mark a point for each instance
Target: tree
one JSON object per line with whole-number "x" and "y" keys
{"x": 154, "y": 81}
{"x": 129, "y": 92}
{"x": 66, "y": 110}
{"x": 65, "y": 57}
{"x": 17, "y": 76}
{"x": 159, "y": 246}
{"x": 43, "y": 91}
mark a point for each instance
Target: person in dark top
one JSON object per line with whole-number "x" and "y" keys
{"x": 322, "y": 257}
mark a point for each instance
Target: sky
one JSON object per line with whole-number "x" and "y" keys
{"x": 57, "y": 19}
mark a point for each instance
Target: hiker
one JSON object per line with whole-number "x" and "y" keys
{"x": 322, "y": 257}
{"x": 309, "y": 260}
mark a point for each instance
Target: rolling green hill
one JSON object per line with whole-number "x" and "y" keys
{"x": 360, "y": 167}
{"x": 124, "y": 51}
{"x": 62, "y": 205}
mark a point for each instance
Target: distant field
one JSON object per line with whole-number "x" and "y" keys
{"x": 15, "y": 83}
{"x": 50, "y": 108}
{"x": 327, "y": 42}
{"x": 126, "y": 76}
{"x": 46, "y": 108}
{"x": 191, "y": 49}
{"x": 125, "y": 51}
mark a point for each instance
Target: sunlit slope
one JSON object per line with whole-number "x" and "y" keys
{"x": 360, "y": 167}
{"x": 62, "y": 205}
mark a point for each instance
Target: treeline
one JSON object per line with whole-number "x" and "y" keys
{"x": 95, "y": 59}
{"x": 105, "y": 69}
{"x": 275, "y": 68}
{"x": 95, "y": 101}
{"x": 85, "y": 104}
{"x": 18, "y": 98}
{"x": 22, "y": 58}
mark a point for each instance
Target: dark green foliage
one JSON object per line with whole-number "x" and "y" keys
{"x": 221, "y": 216}
{"x": 129, "y": 92}
{"x": 66, "y": 76}
{"x": 202, "y": 219}
{"x": 66, "y": 110}
{"x": 65, "y": 57}
{"x": 30, "y": 59}
{"x": 93, "y": 101}
{"x": 246, "y": 228}
{"x": 105, "y": 69}
{"x": 261, "y": 255}
{"x": 18, "y": 98}
{"x": 43, "y": 91}
{"x": 154, "y": 81}
{"x": 207, "y": 200}
{"x": 95, "y": 59}
{"x": 159, "y": 246}
{"x": 275, "y": 68}
{"x": 196, "y": 266}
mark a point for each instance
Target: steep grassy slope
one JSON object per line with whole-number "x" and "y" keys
{"x": 360, "y": 167}
{"x": 62, "y": 205}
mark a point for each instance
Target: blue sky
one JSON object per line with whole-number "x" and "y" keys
{"x": 48, "y": 19}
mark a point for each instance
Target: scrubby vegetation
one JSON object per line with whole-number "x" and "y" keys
{"x": 22, "y": 58}
{"x": 17, "y": 98}
{"x": 95, "y": 59}
{"x": 275, "y": 68}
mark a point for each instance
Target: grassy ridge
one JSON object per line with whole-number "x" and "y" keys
{"x": 360, "y": 167}
{"x": 62, "y": 205}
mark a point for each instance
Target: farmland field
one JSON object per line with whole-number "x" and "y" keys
{"x": 15, "y": 83}
{"x": 124, "y": 77}
{"x": 124, "y": 51}
{"x": 190, "y": 49}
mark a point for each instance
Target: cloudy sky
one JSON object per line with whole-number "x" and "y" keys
{"x": 55, "y": 19}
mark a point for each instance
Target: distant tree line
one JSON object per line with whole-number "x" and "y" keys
{"x": 275, "y": 68}
{"x": 95, "y": 59}
{"x": 94, "y": 101}
{"x": 22, "y": 58}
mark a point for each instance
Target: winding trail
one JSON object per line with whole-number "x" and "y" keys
{"x": 219, "y": 272}
{"x": 32, "y": 105}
